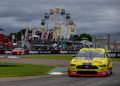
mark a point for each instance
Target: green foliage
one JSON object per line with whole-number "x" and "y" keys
{"x": 7, "y": 36}
{"x": 76, "y": 37}
{"x": 17, "y": 35}
{"x": 85, "y": 36}
{"x": 116, "y": 59}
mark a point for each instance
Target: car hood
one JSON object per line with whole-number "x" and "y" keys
{"x": 93, "y": 61}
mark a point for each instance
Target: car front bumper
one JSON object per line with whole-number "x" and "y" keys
{"x": 101, "y": 71}
{"x": 86, "y": 74}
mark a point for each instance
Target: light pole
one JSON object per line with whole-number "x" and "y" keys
{"x": 108, "y": 36}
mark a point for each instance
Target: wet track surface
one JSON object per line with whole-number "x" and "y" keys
{"x": 64, "y": 80}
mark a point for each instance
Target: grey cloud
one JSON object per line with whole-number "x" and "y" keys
{"x": 91, "y": 16}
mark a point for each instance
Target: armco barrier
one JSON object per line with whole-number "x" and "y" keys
{"x": 40, "y": 52}
{"x": 33, "y": 52}
{"x": 64, "y": 52}
{"x": 52, "y": 52}
{"x": 2, "y": 51}
{"x": 44, "y": 52}
{"x": 55, "y": 52}
{"x": 110, "y": 54}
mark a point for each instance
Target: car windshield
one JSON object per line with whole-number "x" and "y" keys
{"x": 91, "y": 54}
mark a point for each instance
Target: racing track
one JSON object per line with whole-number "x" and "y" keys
{"x": 64, "y": 80}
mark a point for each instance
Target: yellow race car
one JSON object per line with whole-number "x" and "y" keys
{"x": 90, "y": 62}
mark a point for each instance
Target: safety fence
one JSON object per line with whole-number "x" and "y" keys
{"x": 41, "y": 52}
{"x": 52, "y": 52}
{"x": 38, "y": 52}
{"x": 109, "y": 41}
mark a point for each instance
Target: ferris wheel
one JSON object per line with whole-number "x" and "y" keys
{"x": 57, "y": 23}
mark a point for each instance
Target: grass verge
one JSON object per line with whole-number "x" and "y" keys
{"x": 116, "y": 59}
{"x": 62, "y": 57}
{"x": 20, "y": 70}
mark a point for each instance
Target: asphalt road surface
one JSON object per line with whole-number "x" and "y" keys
{"x": 64, "y": 80}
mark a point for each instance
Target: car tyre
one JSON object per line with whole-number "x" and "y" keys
{"x": 69, "y": 74}
{"x": 108, "y": 73}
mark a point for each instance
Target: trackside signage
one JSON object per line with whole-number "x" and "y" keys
{"x": 113, "y": 54}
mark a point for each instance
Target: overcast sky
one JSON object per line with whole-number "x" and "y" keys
{"x": 90, "y": 16}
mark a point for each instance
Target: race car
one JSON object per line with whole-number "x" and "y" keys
{"x": 18, "y": 51}
{"x": 90, "y": 62}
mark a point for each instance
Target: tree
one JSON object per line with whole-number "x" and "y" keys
{"x": 76, "y": 37}
{"x": 19, "y": 34}
{"x": 85, "y": 36}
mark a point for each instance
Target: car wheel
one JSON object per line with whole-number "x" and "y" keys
{"x": 69, "y": 74}
{"x": 111, "y": 72}
{"x": 108, "y": 73}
